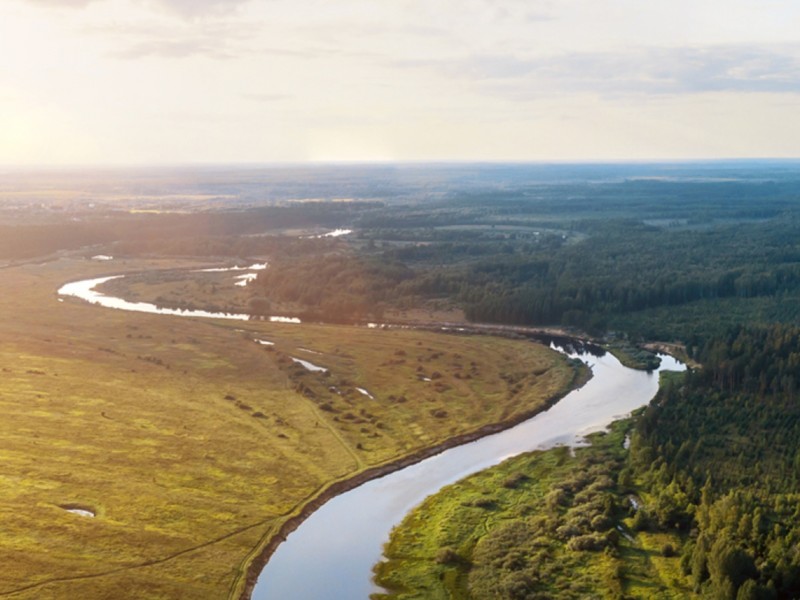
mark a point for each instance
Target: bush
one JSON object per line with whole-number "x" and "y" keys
{"x": 641, "y": 521}
{"x": 513, "y": 481}
{"x": 583, "y": 543}
{"x": 601, "y": 523}
{"x": 565, "y": 532}
{"x": 448, "y": 556}
{"x": 555, "y": 499}
{"x": 485, "y": 503}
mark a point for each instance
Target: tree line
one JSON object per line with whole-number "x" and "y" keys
{"x": 720, "y": 453}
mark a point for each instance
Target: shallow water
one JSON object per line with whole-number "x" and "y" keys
{"x": 366, "y": 393}
{"x": 331, "y": 234}
{"x": 254, "y": 267}
{"x": 243, "y": 280}
{"x": 309, "y": 351}
{"x": 309, "y": 365}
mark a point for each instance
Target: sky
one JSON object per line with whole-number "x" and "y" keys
{"x": 117, "y": 82}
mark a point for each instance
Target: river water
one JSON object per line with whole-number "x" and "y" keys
{"x": 85, "y": 290}
{"x": 331, "y": 555}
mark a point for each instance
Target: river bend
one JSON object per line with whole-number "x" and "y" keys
{"x": 331, "y": 554}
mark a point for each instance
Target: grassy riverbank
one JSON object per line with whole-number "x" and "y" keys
{"x": 703, "y": 505}
{"x": 552, "y": 524}
{"x": 192, "y": 443}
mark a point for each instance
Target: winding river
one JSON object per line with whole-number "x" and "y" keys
{"x": 85, "y": 290}
{"x": 331, "y": 554}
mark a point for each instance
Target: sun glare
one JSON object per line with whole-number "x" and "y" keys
{"x": 341, "y": 147}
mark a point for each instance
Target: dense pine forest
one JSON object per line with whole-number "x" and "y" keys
{"x": 719, "y": 452}
{"x": 613, "y": 276}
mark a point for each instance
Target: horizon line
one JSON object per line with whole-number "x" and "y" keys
{"x": 384, "y": 163}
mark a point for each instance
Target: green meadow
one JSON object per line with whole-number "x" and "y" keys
{"x": 192, "y": 443}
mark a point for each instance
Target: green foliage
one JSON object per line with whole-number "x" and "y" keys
{"x": 726, "y": 466}
{"x": 336, "y": 287}
{"x": 714, "y": 460}
{"x": 623, "y": 268}
{"x": 553, "y": 533}
{"x": 620, "y": 274}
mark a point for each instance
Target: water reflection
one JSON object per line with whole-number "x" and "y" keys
{"x": 332, "y": 553}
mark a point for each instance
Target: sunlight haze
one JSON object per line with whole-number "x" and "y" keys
{"x": 216, "y": 81}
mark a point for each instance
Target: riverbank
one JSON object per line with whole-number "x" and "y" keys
{"x": 581, "y": 376}
{"x": 288, "y": 524}
{"x": 193, "y": 415}
{"x": 537, "y": 522}
{"x": 676, "y": 350}
{"x": 634, "y": 357}
{"x": 237, "y": 438}
{"x": 555, "y": 523}
{"x": 333, "y": 552}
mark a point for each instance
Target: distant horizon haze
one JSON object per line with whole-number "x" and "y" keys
{"x": 203, "y": 165}
{"x": 141, "y": 82}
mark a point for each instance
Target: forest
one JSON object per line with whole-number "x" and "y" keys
{"x": 718, "y": 452}
{"x": 650, "y": 251}
{"x": 700, "y": 501}
{"x": 618, "y": 269}
{"x": 704, "y": 256}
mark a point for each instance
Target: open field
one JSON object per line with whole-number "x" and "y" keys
{"x": 192, "y": 443}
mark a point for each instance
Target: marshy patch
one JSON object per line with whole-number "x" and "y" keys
{"x": 82, "y": 510}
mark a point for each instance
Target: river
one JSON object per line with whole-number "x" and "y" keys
{"x": 331, "y": 555}
{"x": 85, "y": 290}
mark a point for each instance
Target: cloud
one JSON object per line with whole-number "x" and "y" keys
{"x": 200, "y": 8}
{"x": 61, "y": 3}
{"x": 176, "y": 49}
{"x": 267, "y": 98}
{"x": 656, "y": 71}
{"x": 184, "y": 8}
{"x": 686, "y": 70}
{"x": 218, "y": 40}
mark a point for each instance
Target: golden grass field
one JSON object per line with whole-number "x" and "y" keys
{"x": 193, "y": 444}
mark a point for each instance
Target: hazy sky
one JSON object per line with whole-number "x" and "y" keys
{"x": 155, "y": 81}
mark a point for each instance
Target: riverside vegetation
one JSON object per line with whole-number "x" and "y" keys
{"x": 192, "y": 443}
{"x": 540, "y": 525}
{"x": 704, "y": 504}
